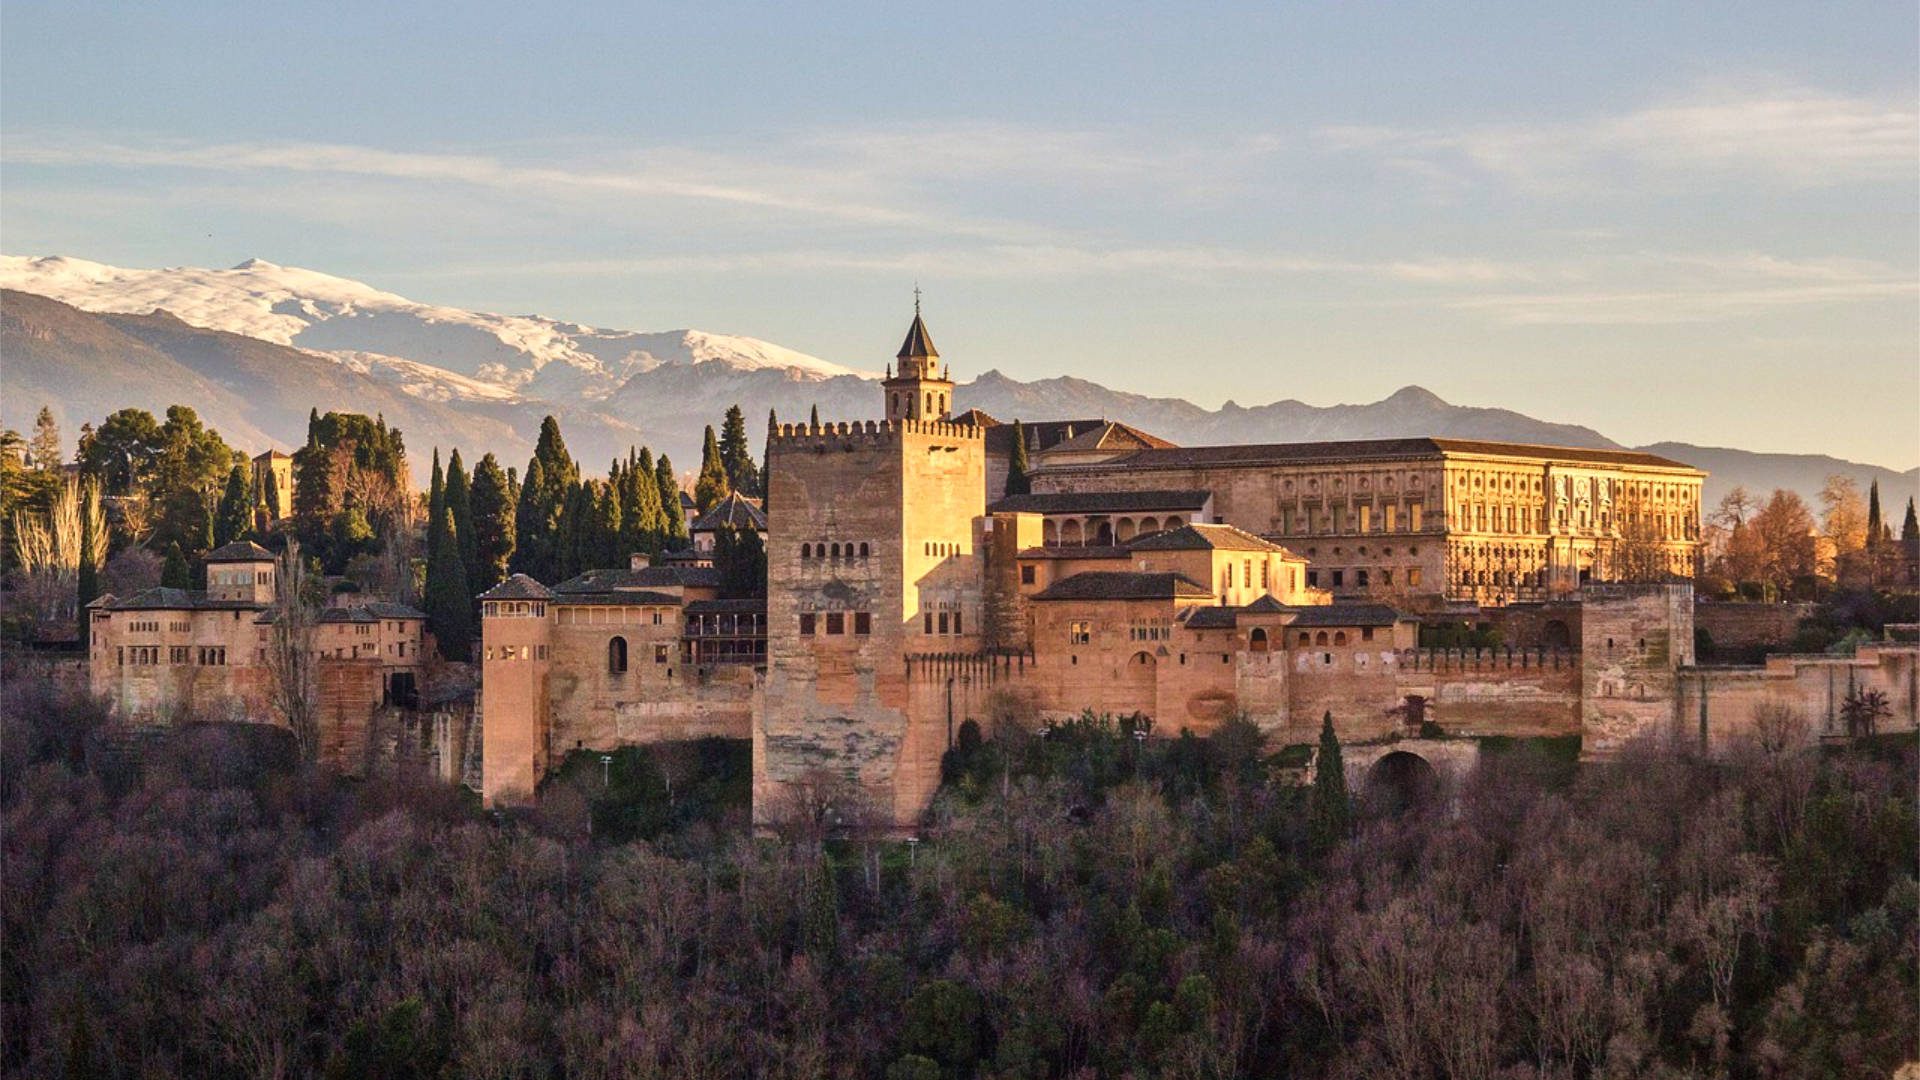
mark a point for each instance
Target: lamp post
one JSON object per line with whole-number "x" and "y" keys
{"x": 606, "y": 766}
{"x": 913, "y": 845}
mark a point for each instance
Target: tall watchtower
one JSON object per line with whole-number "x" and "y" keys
{"x": 874, "y": 557}
{"x": 918, "y": 389}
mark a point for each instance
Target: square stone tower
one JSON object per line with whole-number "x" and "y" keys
{"x": 875, "y": 562}
{"x": 515, "y": 710}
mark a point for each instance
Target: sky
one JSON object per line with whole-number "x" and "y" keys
{"x": 1692, "y": 222}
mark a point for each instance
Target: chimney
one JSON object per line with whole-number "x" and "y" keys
{"x": 639, "y": 560}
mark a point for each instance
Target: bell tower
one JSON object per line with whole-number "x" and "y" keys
{"x": 919, "y": 389}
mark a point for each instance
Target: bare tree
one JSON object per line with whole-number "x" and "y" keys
{"x": 292, "y": 663}
{"x": 49, "y": 547}
{"x": 1844, "y": 515}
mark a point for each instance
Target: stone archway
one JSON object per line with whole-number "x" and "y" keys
{"x": 1555, "y": 635}
{"x": 1400, "y": 781}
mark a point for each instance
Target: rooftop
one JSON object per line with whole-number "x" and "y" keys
{"x": 239, "y": 551}
{"x": 518, "y": 587}
{"x": 1123, "y": 585}
{"x": 1205, "y": 537}
{"x": 1190, "y": 500}
{"x": 736, "y": 511}
{"x": 1371, "y": 449}
{"x": 165, "y": 599}
{"x": 647, "y": 577}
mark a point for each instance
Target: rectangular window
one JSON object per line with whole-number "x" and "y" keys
{"x": 926, "y": 622}
{"x": 1413, "y": 575}
{"x": 1286, "y": 521}
{"x": 1079, "y": 633}
{"x": 1026, "y": 574}
{"x": 177, "y": 654}
{"x": 836, "y": 622}
{"x": 1339, "y": 578}
{"x": 1386, "y": 577}
{"x": 1360, "y": 578}
{"x": 956, "y": 622}
{"x": 1392, "y": 513}
{"x": 943, "y": 622}
{"x": 1313, "y": 579}
{"x": 656, "y": 617}
{"x": 806, "y": 623}
{"x": 1366, "y": 518}
{"x": 659, "y": 654}
{"x": 862, "y": 622}
{"x": 1339, "y": 518}
{"x": 1266, "y": 573}
{"x": 1413, "y": 517}
{"x": 1366, "y": 633}
{"x": 1246, "y": 571}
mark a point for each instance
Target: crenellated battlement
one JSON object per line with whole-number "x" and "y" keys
{"x": 869, "y": 432}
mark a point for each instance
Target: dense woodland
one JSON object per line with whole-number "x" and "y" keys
{"x": 1078, "y": 904}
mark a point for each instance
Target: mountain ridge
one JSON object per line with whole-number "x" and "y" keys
{"x": 351, "y": 345}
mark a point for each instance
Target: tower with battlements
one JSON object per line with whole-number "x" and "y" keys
{"x": 875, "y": 559}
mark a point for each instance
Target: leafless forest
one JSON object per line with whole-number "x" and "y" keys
{"x": 1081, "y": 906}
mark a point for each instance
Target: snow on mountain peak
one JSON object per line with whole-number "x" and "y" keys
{"x": 350, "y": 320}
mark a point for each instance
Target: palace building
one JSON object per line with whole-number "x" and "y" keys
{"x": 908, "y": 594}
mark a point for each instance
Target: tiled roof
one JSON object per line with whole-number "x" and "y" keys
{"x": 1110, "y": 436}
{"x": 239, "y": 551}
{"x": 1204, "y": 537}
{"x": 976, "y": 418}
{"x": 1102, "y": 502}
{"x": 1087, "y": 552}
{"x": 622, "y": 598}
{"x": 1346, "y": 615}
{"x": 1039, "y": 435}
{"x": 347, "y": 615}
{"x": 389, "y": 610}
{"x": 518, "y": 587}
{"x": 648, "y": 577}
{"x": 1212, "y": 618}
{"x": 1122, "y": 585}
{"x": 918, "y": 343}
{"x": 737, "y": 607}
{"x": 1371, "y": 449}
{"x": 1266, "y": 605}
{"x": 736, "y": 511}
{"x": 165, "y": 599}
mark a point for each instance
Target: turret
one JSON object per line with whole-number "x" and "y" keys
{"x": 243, "y": 572}
{"x": 917, "y": 387}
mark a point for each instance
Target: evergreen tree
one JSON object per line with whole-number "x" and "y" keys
{"x": 449, "y": 605}
{"x": 93, "y": 544}
{"x": 1329, "y": 809}
{"x": 313, "y": 425}
{"x": 712, "y": 484}
{"x": 534, "y": 522}
{"x": 492, "y": 511}
{"x": 436, "y": 502}
{"x": 674, "y": 534}
{"x": 741, "y": 558}
{"x": 460, "y": 505}
{"x": 1910, "y": 528}
{"x": 766, "y": 460}
{"x": 641, "y": 522}
{"x": 1017, "y": 466}
{"x": 175, "y": 573}
{"x": 235, "y": 517}
{"x": 813, "y": 417}
{"x": 736, "y": 455}
{"x": 1876, "y": 528}
{"x": 44, "y": 449}
{"x": 270, "y": 493}
{"x": 313, "y": 496}
{"x": 551, "y": 451}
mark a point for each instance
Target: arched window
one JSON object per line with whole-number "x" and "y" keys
{"x": 1258, "y": 640}
{"x": 863, "y": 550}
{"x": 806, "y": 551}
{"x": 1340, "y": 637}
{"x": 836, "y": 551}
{"x": 617, "y": 656}
{"x": 929, "y": 403}
{"x": 1306, "y": 638}
{"x": 1320, "y": 638}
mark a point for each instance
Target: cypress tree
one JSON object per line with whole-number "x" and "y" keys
{"x": 813, "y": 417}
{"x": 449, "y": 605}
{"x": 712, "y": 484}
{"x": 235, "y": 517}
{"x": 551, "y": 451}
{"x": 1910, "y": 528}
{"x": 313, "y": 495}
{"x": 492, "y": 508}
{"x": 1017, "y": 466}
{"x": 675, "y": 521}
{"x": 533, "y": 527}
{"x": 175, "y": 573}
{"x": 436, "y": 502}
{"x": 645, "y": 523}
{"x": 1875, "y": 526}
{"x": 460, "y": 504}
{"x": 93, "y": 545}
{"x": 271, "y": 495}
{"x": 736, "y": 455}
{"x": 766, "y": 460}
{"x": 1329, "y": 810}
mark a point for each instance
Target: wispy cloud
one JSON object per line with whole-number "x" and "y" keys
{"x": 1797, "y": 137}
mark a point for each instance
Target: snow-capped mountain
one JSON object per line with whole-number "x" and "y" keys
{"x": 388, "y": 336}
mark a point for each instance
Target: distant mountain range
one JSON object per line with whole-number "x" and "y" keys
{"x": 254, "y": 347}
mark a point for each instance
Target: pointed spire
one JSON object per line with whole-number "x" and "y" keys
{"x": 919, "y": 345}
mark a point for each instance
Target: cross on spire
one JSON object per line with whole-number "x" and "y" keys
{"x": 916, "y": 299}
